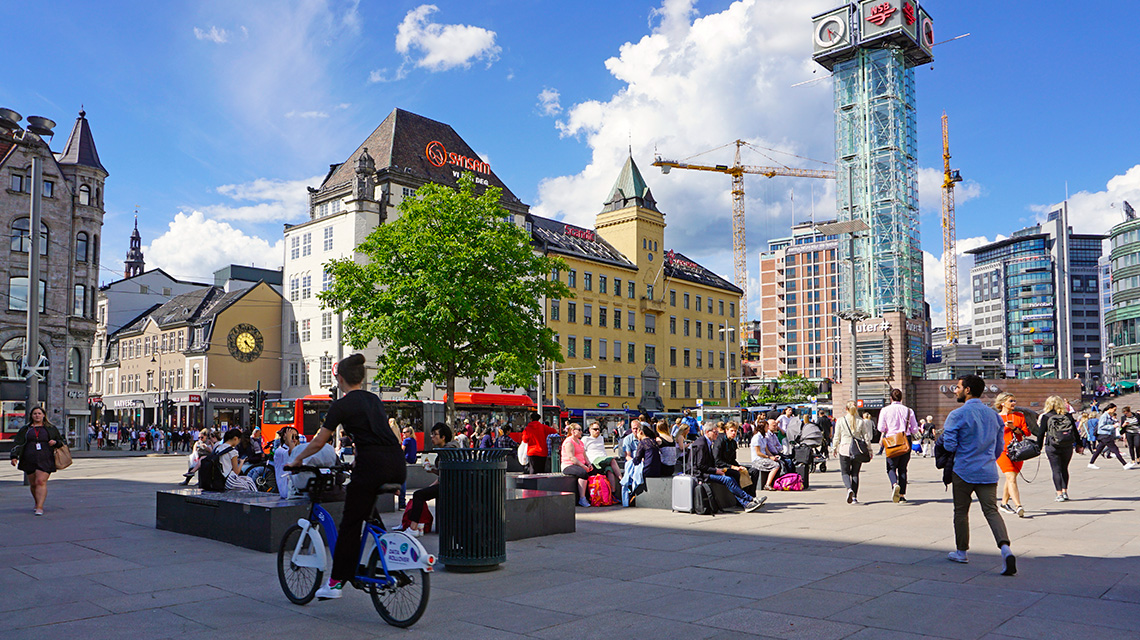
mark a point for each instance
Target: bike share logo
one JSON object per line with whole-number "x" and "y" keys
{"x": 404, "y": 553}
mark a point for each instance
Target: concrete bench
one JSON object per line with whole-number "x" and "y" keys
{"x": 246, "y": 519}
{"x": 532, "y": 513}
{"x": 659, "y": 495}
{"x": 543, "y": 482}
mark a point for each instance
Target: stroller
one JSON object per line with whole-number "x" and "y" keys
{"x": 805, "y": 439}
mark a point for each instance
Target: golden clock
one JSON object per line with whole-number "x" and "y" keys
{"x": 245, "y": 342}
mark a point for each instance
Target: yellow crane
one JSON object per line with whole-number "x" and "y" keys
{"x": 949, "y": 234}
{"x": 737, "y": 171}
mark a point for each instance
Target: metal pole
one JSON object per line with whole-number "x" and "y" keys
{"x": 851, "y": 255}
{"x": 32, "y": 339}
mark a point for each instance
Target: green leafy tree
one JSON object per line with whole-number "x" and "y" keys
{"x": 450, "y": 289}
{"x": 788, "y": 389}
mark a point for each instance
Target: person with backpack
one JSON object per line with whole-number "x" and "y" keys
{"x": 379, "y": 461}
{"x": 221, "y": 469}
{"x": 1061, "y": 438}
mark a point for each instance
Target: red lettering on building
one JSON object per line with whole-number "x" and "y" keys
{"x": 881, "y": 13}
{"x": 575, "y": 232}
{"x": 439, "y": 156}
{"x": 674, "y": 261}
{"x": 908, "y": 13}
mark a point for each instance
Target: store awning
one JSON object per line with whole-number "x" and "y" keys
{"x": 1127, "y": 385}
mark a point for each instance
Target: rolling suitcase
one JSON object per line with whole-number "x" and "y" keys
{"x": 684, "y": 486}
{"x": 802, "y": 456}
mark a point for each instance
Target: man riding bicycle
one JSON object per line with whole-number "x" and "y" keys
{"x": 379, "y": 460}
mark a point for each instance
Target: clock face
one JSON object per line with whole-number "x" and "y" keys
{"x": 245, "y": 342}
{"x": 830, "y": 31}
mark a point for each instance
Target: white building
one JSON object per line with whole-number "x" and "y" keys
{"x": 404, "y": 153}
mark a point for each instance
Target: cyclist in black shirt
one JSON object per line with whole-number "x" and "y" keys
{"x": 379, "y": 460}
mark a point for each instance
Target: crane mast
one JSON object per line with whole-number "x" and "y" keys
{"x": 737, "y": 171}
{"x": 949, "y": 235}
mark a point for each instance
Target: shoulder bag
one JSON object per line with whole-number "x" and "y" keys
{"x": 860, "y": 452}
{"x": 1024, "y": 449}
{"x": 897, "y": 444}
{"x": 62, "y": 458}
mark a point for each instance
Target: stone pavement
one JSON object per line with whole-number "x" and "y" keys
{"x": 807, "y": 566}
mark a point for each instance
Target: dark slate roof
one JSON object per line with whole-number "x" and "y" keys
{"x": 400, "y": 146}
{"x": 630, "y": 190}
{"x": 80, "y": 147}
{"x": 172, "y": 279}
{"x": 184, "y": 307}
{"x": 679, "y": 267}
{"x": 567, "y": 239}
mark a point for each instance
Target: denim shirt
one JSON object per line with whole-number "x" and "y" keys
{"x": 975, "y": 434}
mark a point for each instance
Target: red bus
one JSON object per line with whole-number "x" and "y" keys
{"x": 307, "y": 414}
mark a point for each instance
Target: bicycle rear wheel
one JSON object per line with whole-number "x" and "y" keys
{"x": 403, "y": 603}
{"x": 299, "y": 583}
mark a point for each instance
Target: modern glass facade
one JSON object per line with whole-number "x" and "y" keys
{"x": 877, "y": 180}
{"x": 1123, "y": 318}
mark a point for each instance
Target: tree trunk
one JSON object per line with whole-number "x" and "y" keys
{"x": 449, "y": 409}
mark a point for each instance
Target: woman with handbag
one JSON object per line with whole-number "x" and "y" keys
{"x": 852, "y": 435}
{"x": 1015, "y": 431}
{"x": 33, "y": 452}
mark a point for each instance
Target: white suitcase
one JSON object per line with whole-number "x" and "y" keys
{"x": 684, "y": 487}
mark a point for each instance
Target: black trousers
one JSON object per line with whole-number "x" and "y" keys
{"x": 538, "y": 464}
{"x": 1059, "y": 458}
{"x": 849, "y": 469}
{"x": 374, "y": 466}
{"x": 1133, "y": 445}
{"x": 1107, "y": 446}
{"x": 419, "y": 501}
{"x": 896, "y": 470}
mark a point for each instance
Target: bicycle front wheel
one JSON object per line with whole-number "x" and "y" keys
{"x": 299, "y": 583}
{"x": 403, "y": 603}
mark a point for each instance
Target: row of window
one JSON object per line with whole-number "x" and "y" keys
{"x": 301, "y": 286}
{"x": 21, "y": 241}
{"x": 168, "y": 380}
{"x": 147, "y": 346}
{"x": 23, "y": 184}
{"x": 299, "y": 372}
{"x": 631, "y": 291}
{"x": 301, "y": 330}
{"x": 612, "y": 386}
{"x": 82, "y": 298}
{"x": 631, "y": 352}
{"x": 301, "y": 245}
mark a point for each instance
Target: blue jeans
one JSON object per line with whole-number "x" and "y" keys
{"x": 741, "y": 497}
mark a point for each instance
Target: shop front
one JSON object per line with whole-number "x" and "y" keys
{"x": 187, "y": 411}
{"x": 225, "y": 410}
{"x": 128, "y": 411}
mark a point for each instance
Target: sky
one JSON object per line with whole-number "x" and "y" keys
{"x": 213, "y": 117}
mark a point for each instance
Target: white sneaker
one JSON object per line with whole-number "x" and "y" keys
{"x": 896, "y": 493}
{"x": 755, "y": 504}
{"x": 1130, "y": 465}
{"x": 850, "y": 496}
{"x": 1020, "y": 511}
{"x": 957, "y": 556}
{"x": 415, "y": 533}
{"x": 1059, "y": 498}
{"x": 329, "y": 592}
{"x": 1093, "y": 466}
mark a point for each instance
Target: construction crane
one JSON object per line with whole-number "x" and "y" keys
{"x": 737, "y": 171}
{"x": 949, "y": 235}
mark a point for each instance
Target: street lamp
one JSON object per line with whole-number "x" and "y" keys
{"x": 1088, "y": 377}
{"x": 852, "y": 315}
{"x": 31, "y": 138}
{"x": 727, "y": 367}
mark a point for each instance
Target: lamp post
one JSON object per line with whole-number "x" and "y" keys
{"x": 30, "y": 138}
{"x": 1088, "y": 376}
{"x": 727, "y": 366}
{"x": 852, "y": 315}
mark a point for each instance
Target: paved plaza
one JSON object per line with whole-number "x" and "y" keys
{"x": 807, "y": 566}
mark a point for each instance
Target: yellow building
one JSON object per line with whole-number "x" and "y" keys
{"x": 646, "y": 326}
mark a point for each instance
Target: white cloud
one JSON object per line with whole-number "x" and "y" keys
{"x": 269, "y": 201}
{"x": 194, "y": 246}
{"x": 930, "y": 191}
{"x": 307, "y": 114}
{"x": 683, "y": 87}
{"x": 443, "y": 46}
{"x": 1099, "y": 211}
{"x": 548, "y": 102}
{"x": 214, "y": 34}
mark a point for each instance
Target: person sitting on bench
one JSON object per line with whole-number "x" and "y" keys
{"x": 724, "y": 456}
{"x": 703, "y": 465}
{"x": 766, "y": 451}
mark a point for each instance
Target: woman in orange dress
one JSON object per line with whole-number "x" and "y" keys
{"x": 1015, "y": 429}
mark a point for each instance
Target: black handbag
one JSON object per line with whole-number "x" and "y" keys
{"x": 1019, "y": 450}
{"x": 860, "y": 450}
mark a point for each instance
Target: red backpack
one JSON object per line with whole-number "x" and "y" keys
{"x": 599, "y": 491}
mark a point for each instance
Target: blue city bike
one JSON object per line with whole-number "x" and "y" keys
{"x": 394, "y": 568}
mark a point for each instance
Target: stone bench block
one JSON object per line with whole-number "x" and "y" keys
{"x": 544, "y": 482}
{"x": 532, "y": 513}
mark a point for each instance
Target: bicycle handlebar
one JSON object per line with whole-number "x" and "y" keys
{"x": 311, "y": 469}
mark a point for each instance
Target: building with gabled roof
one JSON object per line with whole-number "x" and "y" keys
{"x": 646, "y": 328}
{"x": 72, "y": 220}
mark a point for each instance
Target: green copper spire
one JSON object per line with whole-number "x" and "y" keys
{"x": 630, "y": 190}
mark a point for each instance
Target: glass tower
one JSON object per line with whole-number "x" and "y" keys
{"x": 876, "y": 156}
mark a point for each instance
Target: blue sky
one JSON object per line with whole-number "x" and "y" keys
{"x": 212, "y": 116}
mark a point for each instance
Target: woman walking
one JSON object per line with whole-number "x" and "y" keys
{"x": 1015, "y": 429}
{"x": 1061, "y": 437}
{"x": 1106, "y": 438}
{"x": 1130, "y": 427}
{"x": 33, "y": 452}
{"x": 847, "y": 428}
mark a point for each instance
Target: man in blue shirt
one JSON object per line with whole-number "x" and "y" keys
{"x": 974, "y": 434}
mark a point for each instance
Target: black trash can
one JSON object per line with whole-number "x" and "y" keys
{"x": 554, "y": 452}
{"x": 472, "y": 508}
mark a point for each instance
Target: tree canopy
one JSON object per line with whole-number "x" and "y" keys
{"x": 451, "y": 288}
{"x": 789, "y": 389}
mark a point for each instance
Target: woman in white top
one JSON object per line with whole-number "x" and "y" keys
{"x": 847, "y": 428}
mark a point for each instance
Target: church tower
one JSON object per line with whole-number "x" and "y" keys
{"x": 630, "y": 220}
{"x": 134, "y": 264}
